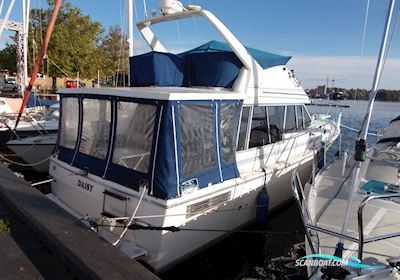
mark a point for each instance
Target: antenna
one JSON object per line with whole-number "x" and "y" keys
{"x": 145, "y": 8}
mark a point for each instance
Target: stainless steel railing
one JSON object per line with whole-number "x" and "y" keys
{"x": 298, "y": 193}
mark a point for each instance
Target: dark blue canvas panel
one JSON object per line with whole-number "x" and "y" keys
{"x": 165, "y": 181}
{"x": 65, "y": 154}
{"x": 126, "y": 177}
{"x": 156, "y": 69}
{"x": 216, "y": 69}
{"x": 265, "y": 59}
{"x": 93, "y": 165}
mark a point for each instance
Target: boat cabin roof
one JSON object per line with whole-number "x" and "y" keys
{"x": 160, "y": 93}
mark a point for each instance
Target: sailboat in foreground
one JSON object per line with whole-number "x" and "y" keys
{"x": 351, "y": 214}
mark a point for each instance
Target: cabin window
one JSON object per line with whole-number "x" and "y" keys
{"x": 134, "y": 135}
{"x": 244, "y": 124}
{"x": 259, "y": 135}
{"x": 299, "y": 114}
{"x": 228, "y": 131}
{"x": 95, "y": 127}
{"x": 306, "y": 117}
{"x": 197, "y": 130}
{"x": 290, "y": 124}
{"x": 69, "y": 122}
{"x": 276, "y": 115}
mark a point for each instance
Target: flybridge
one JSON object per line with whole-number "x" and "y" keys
{"x": 213, "y": 64}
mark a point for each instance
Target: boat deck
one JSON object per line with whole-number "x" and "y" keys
{"x": 327, "y": 203}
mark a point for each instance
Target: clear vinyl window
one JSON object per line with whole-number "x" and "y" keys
{"x": 95, "y": 127}
{"x": 244, "y": 124}
{"x": 134, "y": 135}
{"x": 229, "y": 126}
{"x": 197, "y": 130}
{"x": 69, "y": 122}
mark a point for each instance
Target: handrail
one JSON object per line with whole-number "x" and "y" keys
{"x": 361, "y": 226}
{"x": 308, "y": 223}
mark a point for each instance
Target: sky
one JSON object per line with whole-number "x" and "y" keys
{"x": 324, "y": 37}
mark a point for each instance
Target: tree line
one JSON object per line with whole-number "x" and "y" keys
{"x": 78, "y": 45}
{"x": 382, "y": 95}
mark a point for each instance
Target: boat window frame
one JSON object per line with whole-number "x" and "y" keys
{"x": 306, "y": 125}
{"x": 246, "y": 140}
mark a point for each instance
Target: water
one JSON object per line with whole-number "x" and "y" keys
{"x": 353, "y": 117}
{"x": 272, "y": 246}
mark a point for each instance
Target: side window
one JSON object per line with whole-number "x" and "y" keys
{"x": 276, "y": 115}
{"x": 69, "y": 122}
{"x": 244, "y": 124}
{"x": 290, "y": 125}
{"x": 299, "y": 114}
{"x": 306, "y": 117}
{"x": 197, "y": 130}
{"x": 259, "y": 135}
{"x": 134, "y": 135}
{"x": 229, "y": 126}
{"x": 95, "y": 127}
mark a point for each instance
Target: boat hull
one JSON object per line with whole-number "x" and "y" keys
{"x": 34, "y": 150}
{"x": 86, "y": 196}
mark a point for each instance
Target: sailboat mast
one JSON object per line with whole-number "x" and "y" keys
{"x": 360, "y": 143}
{"x": 130, "y": 26}
{"x": 378, "y": 72}
{"x": 39, "y": 59}
{"x": 130, "y": 34}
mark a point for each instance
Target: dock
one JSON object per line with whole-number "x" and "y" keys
{"x": 80, "y": 251}
{"x": 329, "y": 105}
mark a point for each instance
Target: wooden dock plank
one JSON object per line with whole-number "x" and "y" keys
{"x": 86, "y": 254}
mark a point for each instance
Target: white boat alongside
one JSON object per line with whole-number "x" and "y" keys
{"x": 35, "y": 151}
{"x": 352, "y": 211}
{"x": 31, "y": 124}
{"x": 178, "y": 160}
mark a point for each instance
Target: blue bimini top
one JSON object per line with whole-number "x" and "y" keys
{"x": 265, "y": 59}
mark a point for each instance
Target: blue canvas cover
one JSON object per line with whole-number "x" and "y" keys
{"x": 166, "y": 171}
{"x": 156, "y": 69}
{"x": 265, "y": 59}
{"x": 34, "y": 101}
{"x": 215, "y": 69}
{"x": 168, "y": 178}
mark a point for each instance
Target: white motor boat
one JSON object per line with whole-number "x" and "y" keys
{"x": 33, "y": 123}
{"x": 180, "y": 159}
{"x": 35, "y": 151}
{"x": 352, "y": 211}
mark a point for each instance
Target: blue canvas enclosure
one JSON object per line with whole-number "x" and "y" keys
{"x": 265, "y": 59}
{"x": 213, "y": 65}
{"x": 168, "y": 145}
{"x": 214, "y": 69}
{"x": 156, "y": 69}
{"x": 197, "y": 146}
